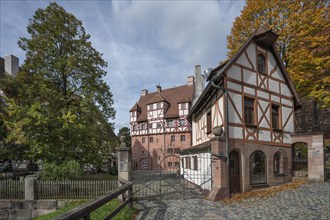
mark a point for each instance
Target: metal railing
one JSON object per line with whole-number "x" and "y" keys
{"x": 58, "y": 189}
{"x": 84, "y": 211}
{"x": 11, "y": 189}
{"x": 73, "y": 189}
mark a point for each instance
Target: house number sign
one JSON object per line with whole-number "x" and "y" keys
{"x": 123, "y": 166}
{"x": 316, "y": 153}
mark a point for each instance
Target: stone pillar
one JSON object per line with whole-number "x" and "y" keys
{"x": 124, "y": 165}
{"x": 29, "y": 188}
{"x": 220, "y": 187}
{"x": 123, "y": 160}
{"x": 316, "y": 171}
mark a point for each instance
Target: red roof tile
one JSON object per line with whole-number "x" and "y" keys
{"x": 172, "y": 96}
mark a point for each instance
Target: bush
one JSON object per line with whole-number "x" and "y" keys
{"x": 113, "y": 170}
{"x": 67, "y": 170}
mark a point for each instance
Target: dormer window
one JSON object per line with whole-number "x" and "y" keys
{"x": 183, "y": 106}
{"x": 261, "y": 64}
{"x": 134, "y": 114}
{"x": 159, "y": 105}
{"x": 151, "y": 107}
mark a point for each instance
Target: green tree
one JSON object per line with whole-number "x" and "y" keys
{"x": 60, "y": 106}
{"x": 303, "y": 43}
{"x": 125, "y": 131}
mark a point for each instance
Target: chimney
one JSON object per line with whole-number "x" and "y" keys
{"x": 11, "y": 64}
{"x": 144, "y": 92}
{"x": 190, "y": 80}
{"x": 159, "y": 88}
{"x": 199, "y": 82}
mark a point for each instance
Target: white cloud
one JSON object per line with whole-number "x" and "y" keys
{"x": 144, "y": 42}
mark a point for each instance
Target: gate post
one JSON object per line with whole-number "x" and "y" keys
{"x": 123, "y": 163}
{"x": 30, "y": 188}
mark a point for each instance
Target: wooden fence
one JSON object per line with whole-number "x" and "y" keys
{"x": 58, "y": 189}
{"x": 84, "y": 211}
{"x": 12, "y": 189}
{"x": 74, "y": 189}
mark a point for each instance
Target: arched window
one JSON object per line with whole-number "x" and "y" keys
{"x": 300, "y": 157}
{"x": 280, "y": 163}
{"x": 261, "y": 64}
{"x": 258, "y": 168}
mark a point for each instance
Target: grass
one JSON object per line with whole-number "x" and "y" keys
{"x": 66, "y": 208}
{"x": 100, "y": 213}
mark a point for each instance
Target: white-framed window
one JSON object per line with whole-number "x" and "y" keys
{"x": 170, "y": 123}
{"x": 182, "y": 122}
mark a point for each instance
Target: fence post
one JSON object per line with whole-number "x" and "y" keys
{"x": 30, "y": 188}
{"x": 123, "y": 163}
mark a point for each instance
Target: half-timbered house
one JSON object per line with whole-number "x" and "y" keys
{"x": 244, "y": 119}
{"x": 159, "y": 126}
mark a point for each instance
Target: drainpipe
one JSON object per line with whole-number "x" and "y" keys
{"x": 225, "y": 91}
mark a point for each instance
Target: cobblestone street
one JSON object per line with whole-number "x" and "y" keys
{"x": 309, "y": 201}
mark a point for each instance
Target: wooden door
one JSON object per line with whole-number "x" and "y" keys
{"x": 234, "y": 173}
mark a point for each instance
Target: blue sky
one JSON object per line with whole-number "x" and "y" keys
{"x": 144, "y": 42}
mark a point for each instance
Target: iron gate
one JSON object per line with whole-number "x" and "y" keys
{"x": 177, "y": 178}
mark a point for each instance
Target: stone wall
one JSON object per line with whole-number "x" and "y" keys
{"x": 26, "y": 209}
{"x": 314, "y": 143}
{"x": 312, "y": 118}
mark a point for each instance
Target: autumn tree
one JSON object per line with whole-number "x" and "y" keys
{"x": 303, "y": 43}
{"x": 60, "y": 106}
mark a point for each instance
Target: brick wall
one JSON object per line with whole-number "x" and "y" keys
{"x": 161, "y": 146}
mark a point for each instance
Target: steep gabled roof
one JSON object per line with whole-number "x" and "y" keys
{"x": 136, "y": 107}
{"x": 157, "y": 98}
{"x": 264, "y": 37}
{"x": 172, "y": 96}
{"x": 184, "y": 99}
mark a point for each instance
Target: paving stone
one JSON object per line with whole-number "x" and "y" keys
{"x": 309, "y": 201}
